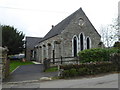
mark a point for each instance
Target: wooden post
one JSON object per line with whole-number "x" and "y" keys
{"x": 61, "y": 59}
{"x": 53, "y": 56}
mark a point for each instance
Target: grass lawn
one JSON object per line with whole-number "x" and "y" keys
{"x": 15, "y": 63}
{"x": 52, "y": 69}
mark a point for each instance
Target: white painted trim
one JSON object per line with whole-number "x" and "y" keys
{"x": 15, "y": 69}
{"x": 85, "y": 43}
{"x": 73, "y": 45}
{"x": 27, "y": 81}
{"x": 46, "y": 50}
{"x": 53, "y": 44}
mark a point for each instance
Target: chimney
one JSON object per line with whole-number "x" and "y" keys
{"x": 52, "y": 26}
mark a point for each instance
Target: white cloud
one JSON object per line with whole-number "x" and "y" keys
{"x": 35, "y": 17}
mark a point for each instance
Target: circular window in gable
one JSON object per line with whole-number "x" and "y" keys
{"x": 81, "y": 22}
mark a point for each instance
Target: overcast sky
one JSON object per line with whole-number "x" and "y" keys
{"x": 35, "y": 17}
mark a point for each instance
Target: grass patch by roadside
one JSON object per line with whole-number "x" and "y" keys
{"x": 15, "y": 63}
{"x": 55, "y": 78}
{"x": 52, "y": 69}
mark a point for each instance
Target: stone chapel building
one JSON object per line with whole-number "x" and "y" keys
{"x": 73, "y": 34}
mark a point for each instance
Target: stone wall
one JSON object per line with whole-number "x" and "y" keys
{"x": 62, "y": 44}
{"x": 74, "y": 28}
{"x": 45, "y": 49}
{"x": 4, "y": 66}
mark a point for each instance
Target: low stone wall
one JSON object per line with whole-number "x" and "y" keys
{"x": 4, "y": 63}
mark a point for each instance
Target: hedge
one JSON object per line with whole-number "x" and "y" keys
{"x": 117, "y": 45}
{"x": 87, "y": 69}
{"x": 96, "y": 54}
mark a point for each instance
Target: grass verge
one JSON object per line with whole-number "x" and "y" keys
{"x": 15, "y": 63}
{"x": 52, "y": 69}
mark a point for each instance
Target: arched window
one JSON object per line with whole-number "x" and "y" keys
{"x": 88, "y": 43}
{"x": 75, "y": 46}
{"x": 81, "y": 42}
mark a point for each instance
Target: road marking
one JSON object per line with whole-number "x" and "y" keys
{"x": 36, "y": 62}
{"x": 15, "y": 69}
{"x": 28, "y": 81}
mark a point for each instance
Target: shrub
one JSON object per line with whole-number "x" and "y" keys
{"x": 52, "y": 69}
{"x": 83, "y": 71}
{"x": 73, "y": 72}
{"x": 115, "y": 58}
{"x": 96, "y": 54}
{"x": 88, "y": 69}
{"x": 117, "y": 45}
{"x": 65, "y": 73}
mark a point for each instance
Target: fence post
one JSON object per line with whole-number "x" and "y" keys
{"x": 46, "y": 63}
{"x": 53, "y": 57}
{"x": 61, "y": 60}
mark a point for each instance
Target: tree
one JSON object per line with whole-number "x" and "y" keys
{"x": 109, "y": 33}
{"x": 12, "y": 39}
{"x": 116, "y": 27}
{"x": 117, "y": 45}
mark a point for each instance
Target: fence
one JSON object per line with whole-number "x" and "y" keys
{"x": 64, "y": 60}
{"x": 58, "y": 61}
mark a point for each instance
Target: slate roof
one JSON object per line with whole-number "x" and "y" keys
{"x": 56, "y": 30}
{"x": 32, "y": 41}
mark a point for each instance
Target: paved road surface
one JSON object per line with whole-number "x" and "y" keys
{"x": 107, "y": 81}
{"x": 28, "y": 72}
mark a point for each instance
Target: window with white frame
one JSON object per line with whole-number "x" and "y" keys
{"x": 75, "y": 45}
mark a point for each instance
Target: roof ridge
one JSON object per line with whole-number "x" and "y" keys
{"x": 57, "y": 29}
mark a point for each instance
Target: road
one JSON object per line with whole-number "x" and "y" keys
{"x": 28, "y": 72}
{"x": 107, "y": 81}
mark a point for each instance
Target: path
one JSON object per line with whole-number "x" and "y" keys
{"x": 29, "y": 72}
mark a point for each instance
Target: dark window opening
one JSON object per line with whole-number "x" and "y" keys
{"x": 88, "y": 43}
{"x": 75, "y": 46}
{"x": 81, "y": 42}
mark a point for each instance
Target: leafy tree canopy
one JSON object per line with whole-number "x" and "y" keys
{"x": 12, "y": 39}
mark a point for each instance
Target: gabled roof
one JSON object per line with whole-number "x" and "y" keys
{"x": 56, "y": 30}
{"x": 32, "y": 41}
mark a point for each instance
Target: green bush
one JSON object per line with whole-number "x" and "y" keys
{"x": 94, "y": 61}
{"x": 73, "y": 72}
{"x": 117, "y": 45}
{"x": 52, "y": 69}
{"x": 88, "y": 69}
{"x": 83, "y": 71}
{"x": 66, "y": 73}
{"x": 96, "y": 54}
